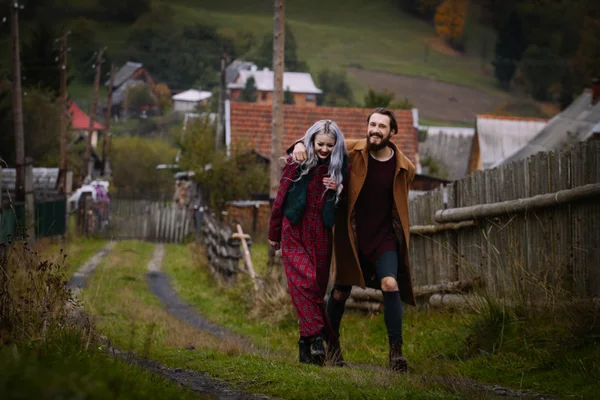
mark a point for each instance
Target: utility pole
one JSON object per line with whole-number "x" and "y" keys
{"x": 107, "y": 122}
{"x": 62, "y": 67}
{"x": 17, "y": 106}
{"x": 278, "y": 65}
{"x": 220, "y": 139}
{"x": 87, "y": 165}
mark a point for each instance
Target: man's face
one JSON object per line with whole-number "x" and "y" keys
{"x": 378, "y": 132}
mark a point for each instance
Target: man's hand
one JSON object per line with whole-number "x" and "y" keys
{"x": 299, "y": 152}
{"x": 275, "y": 245}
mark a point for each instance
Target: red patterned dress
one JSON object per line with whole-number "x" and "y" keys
{"x": 306, "y": 249}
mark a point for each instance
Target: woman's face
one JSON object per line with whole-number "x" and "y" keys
{"x": 323, "y": 145}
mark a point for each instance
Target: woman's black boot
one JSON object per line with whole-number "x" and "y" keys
{"x": 304, "y": 350}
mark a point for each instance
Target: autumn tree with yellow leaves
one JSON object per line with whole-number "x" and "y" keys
{"x": 450, "y": 18}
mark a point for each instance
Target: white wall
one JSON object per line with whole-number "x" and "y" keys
{"x": 184, "y": 106}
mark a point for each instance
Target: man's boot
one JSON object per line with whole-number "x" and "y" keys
{"x": 317, "y": 350}
{"x": 334, "y": 354}
{"x": 304, "y": 350}
{"x": 397, "y": 361}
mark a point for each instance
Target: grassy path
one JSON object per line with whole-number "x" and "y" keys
{"x": 133, "y": 319}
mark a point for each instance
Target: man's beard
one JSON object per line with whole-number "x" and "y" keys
{"x": 376, "y": 147}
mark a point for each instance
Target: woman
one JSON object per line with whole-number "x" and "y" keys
{"x": 301, "y": 224}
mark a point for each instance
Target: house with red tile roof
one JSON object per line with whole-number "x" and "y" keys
{"x": 80, "y": 122}
{"x": 250, "y": 123}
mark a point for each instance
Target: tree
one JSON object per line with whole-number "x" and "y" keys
{"x": 124, "y": 10}
{"x": 450, "y": 18}
{"x": 140, "y": 97}
{"x": 237, "y": 176}
{"x": 375, "y": 99}
{"x": 264, "y": 58}
{"x": 134, "y": 160}
{"x": 84, "y": 43}
{"x": 180, "y": 56}
{"x": 336, "y": 89}
{"x": 163, "y": 95}
{"x": 40, "y": 59}
{"x": 510, "y": 46}
{"x": 249, "y": 94}
{"x": 541, "y": 68}
{"x": 40, "y": 122}
{"x": 288, "y": 96}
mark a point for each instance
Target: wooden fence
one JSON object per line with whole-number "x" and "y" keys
{"x": 149, "y": 220}
{"x": 531, "y": 245}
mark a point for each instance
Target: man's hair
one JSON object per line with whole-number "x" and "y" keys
{"x": 389, "y": 113}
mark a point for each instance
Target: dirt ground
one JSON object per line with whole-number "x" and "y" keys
{"x": 435, "y": 100}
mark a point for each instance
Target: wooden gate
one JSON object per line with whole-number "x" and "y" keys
{"x": 148, "y": 220}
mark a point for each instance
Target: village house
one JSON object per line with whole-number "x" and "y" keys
{"x": 80, "y": 123}
{"x": 189, "y": 100}
{"x": 130, "y": 75}
{"x": 578, "y": 122}
{"x": 445, "y": 151}
{"x": 299, "y": 84}
{"x": 496, "y": 137}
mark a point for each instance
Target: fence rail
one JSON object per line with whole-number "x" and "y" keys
{"x": 526, "y": 249}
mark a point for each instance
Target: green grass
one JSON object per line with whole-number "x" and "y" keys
{"x": 536, "y": 355}
{"x": 77, "y": 250}
{"x": 132, "y": 318}
{"x": 64, "y": 369}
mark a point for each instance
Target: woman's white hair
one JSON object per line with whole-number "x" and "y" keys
{"x": 336, "y": 161}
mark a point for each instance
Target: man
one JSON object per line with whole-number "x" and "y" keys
{"x": 372, "y": 230}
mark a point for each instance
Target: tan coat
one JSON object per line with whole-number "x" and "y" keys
{"x": 348, "y": 271}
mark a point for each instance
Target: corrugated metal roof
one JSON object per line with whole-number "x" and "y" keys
{"x": 576, "y": 123}
{"x": 125, "y": 72}
{"x": 44, "y": 179}
{"x": 450, "y": 147}
{"x": 500, "y": 137}
{"x": 192, "y": 95}
{"x": 295, "y": 82}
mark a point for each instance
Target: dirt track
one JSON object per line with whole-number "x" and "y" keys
{"x": 436, "y": 100}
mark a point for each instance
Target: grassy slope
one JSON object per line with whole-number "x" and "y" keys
{"x": 435, "y": 341}
{"x": 132, "y": 318}
{"x": 375, "y": 35}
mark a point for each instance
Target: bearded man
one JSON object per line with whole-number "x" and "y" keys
{"x": 371, "y": 232}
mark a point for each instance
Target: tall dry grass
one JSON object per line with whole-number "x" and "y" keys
{"x": 35, "y": 301}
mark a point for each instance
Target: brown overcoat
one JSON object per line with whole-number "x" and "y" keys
{"x": 347, "y": 267}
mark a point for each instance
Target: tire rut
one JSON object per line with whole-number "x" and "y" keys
{"x": 202, "y": 383}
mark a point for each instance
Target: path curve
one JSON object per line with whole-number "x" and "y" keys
{"x": 161, "y": 287}
{"x": 196, "y": 381}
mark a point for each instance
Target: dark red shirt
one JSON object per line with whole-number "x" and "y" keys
{"x": 374, "y": 228}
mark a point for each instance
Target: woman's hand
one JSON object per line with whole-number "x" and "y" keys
{"x": 299, "y": 152}
{"x": 330, "y": 183}
{"x": 275, "y": 245}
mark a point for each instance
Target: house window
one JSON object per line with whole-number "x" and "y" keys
{"x": 311, "y": 97}
{"x": 263, "y": 96}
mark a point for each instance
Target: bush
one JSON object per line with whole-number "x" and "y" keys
{"x": 237, "y": 176}
{"x": 134, "y": 161}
